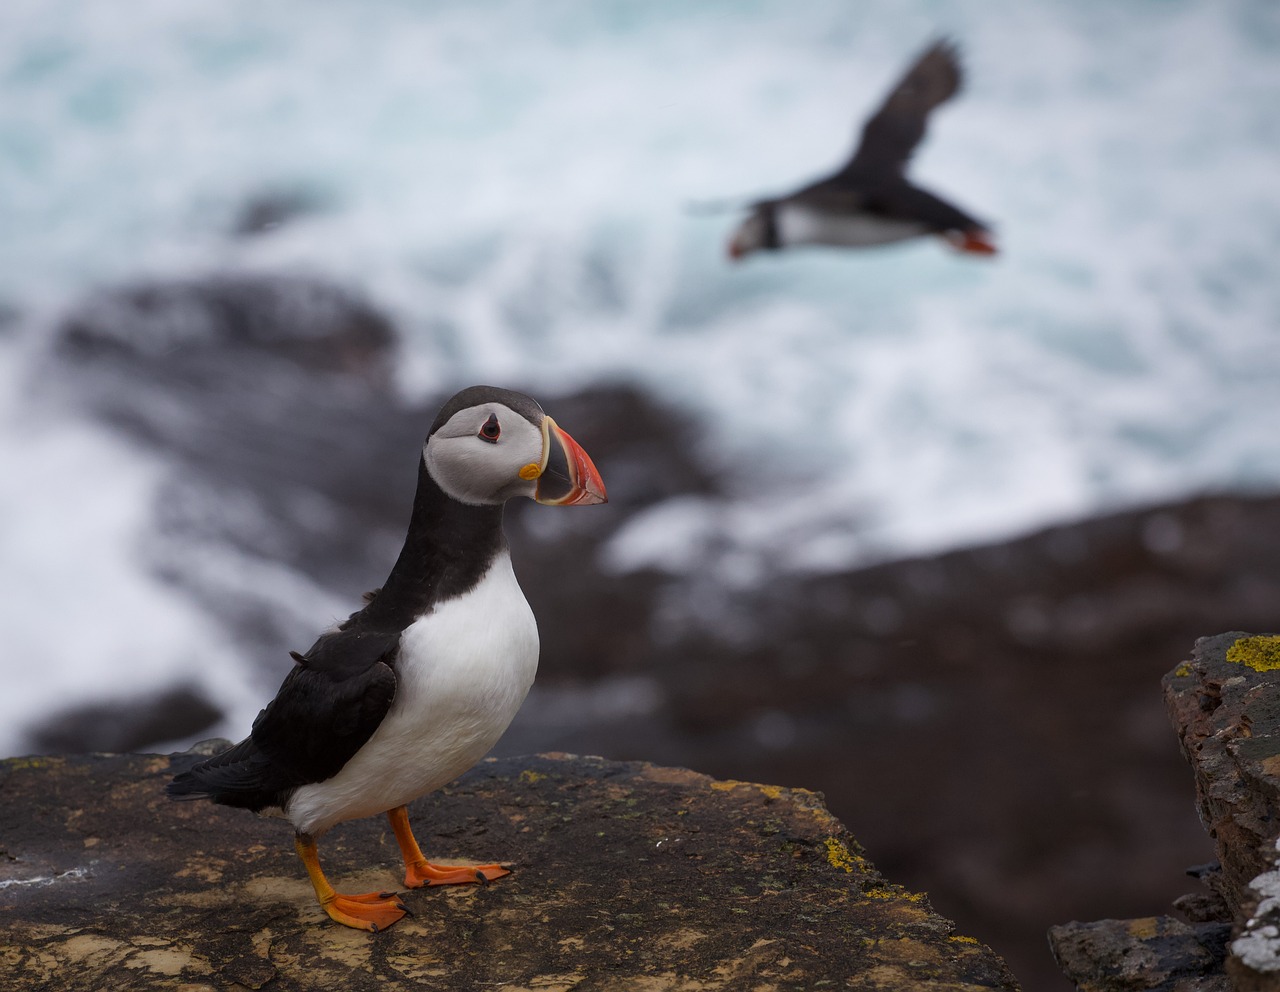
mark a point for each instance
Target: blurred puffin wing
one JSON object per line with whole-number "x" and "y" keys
{"x": 892, "y": 134}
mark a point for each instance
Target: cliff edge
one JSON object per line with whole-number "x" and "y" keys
{"x": 626, "y": 876}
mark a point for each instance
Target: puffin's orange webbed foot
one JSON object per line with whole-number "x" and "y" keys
{"x": 371, "y": 911}
{"x": 418, "y": 871}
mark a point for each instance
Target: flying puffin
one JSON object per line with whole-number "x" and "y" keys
{"x": 412, "y": 690}
{"x": 869, "y": 201}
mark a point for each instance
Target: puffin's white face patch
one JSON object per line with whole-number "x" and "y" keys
{"x": 473, "y": 466}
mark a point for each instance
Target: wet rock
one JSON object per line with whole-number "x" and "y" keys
{"x": 626, "y": 875}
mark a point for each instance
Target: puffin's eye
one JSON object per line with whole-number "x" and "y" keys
{"x": 491, "y": 430}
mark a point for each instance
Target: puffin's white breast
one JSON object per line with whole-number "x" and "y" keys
{"x": 462, "y": 672}
{"x": 802, "y": 225}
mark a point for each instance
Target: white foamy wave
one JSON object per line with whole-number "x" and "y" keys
{"x": 510, "y": 183}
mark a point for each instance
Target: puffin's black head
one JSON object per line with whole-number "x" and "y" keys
{"x": 489, "y": 444}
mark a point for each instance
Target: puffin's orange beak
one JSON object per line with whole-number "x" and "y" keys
{"x": 568, "y": 478}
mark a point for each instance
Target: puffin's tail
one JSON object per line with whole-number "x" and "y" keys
{"x": 234, "y": 777}
{"x": 973, "y": 241}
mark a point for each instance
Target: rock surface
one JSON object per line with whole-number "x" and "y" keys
{"x": 1152, "y": 953}
{"x": 1225, "y": 707}
{"x": 626, "y": 876}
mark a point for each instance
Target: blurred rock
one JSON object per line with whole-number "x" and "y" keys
{"x": 270, "y": 209}
{"x": 309, "y": 322}
{"x": 126, "y": 724}
{"x": 625, "y": 876}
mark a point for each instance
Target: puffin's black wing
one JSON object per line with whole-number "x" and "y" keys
{"x": 326, "y": 710}
{"x": 904, "y": 201}
{"x": 330, "y": 704}
{"x": 892, "y": 134}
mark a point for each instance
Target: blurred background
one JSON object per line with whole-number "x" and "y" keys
{"x": 916, "y": 530}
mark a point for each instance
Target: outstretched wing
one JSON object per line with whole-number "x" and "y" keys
{"x": 894, "y": 131}
{"x": 327, "y": 708}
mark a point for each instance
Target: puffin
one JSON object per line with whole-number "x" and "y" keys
{"x": 869, "y": 200}
{"x": 413, "y": 689}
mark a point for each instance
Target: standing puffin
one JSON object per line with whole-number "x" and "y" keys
{"x": 869, "y": 201}
{"x": 411, "y": 691}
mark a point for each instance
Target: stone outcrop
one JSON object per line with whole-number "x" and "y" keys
{"x": 1225, "y": 707}
{"x": 627, "y": 876}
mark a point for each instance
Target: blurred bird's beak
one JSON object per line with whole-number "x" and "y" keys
{"x": 568, "y": 478}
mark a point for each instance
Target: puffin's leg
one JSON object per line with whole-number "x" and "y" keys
{"x": 368, "y": 911}
{"x": 418, "y": 871}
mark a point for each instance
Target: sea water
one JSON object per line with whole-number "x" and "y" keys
{"x": 522, "y": 187}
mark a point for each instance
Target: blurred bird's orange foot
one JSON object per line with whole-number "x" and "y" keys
{"x": 418, "y": 871}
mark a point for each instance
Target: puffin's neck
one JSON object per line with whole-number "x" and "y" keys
{"x": 449, "y": 547}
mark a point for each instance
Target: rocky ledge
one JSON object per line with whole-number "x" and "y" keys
{"x": 627, "y": 875}
{"x": 1225, "y": 707}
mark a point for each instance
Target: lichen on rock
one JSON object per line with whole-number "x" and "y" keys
{"x": 1262, "y": 654}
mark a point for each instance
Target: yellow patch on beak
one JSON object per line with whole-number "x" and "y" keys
{"x": 531, "y": 471}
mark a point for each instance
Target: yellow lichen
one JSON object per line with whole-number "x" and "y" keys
{"x": 768, "y": 791}
{"x": 959, "y": 939}
{"x": 839, "y": 856}
{"x": 1262, "y": 654}
{"x": 34, "y": 761}
{"x": 530, "y": 777}
{"x": 1182, "y": 671}
{"x": 889, "y": 891}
